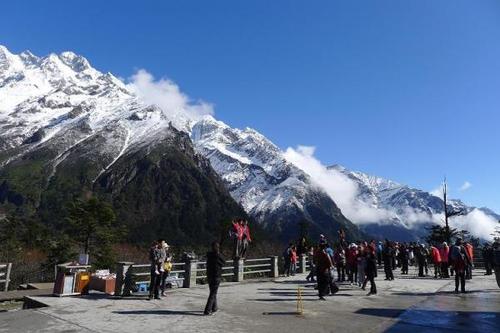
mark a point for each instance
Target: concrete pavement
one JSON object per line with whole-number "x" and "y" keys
{"x": 406, "y": 304}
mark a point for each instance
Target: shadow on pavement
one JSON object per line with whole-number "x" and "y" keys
{"x": 422, "y": 320}
{"x": 290, "y": 313}
{"x": 161, "y": 312}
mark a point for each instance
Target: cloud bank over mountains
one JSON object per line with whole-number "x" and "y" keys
{"x": 361, "y": 210}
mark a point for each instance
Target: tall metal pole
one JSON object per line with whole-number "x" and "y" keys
{"x": 447, "y": 227}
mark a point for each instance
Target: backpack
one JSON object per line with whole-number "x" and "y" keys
{"x": 457, "y": 254}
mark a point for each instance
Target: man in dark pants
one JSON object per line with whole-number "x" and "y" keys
{"x": 215, "y": 262}
{"x": 157, "y": 257}
{"x": 371, "y": 272}
{"x": 459, "y": 259}
{"x": 323, "y": 266}
{"x": 388, "y": 256}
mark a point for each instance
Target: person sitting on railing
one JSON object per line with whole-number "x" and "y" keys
{"x": 215, "y": 262}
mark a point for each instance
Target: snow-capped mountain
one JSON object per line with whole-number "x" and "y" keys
{"x": 62, "y": 119}
{"x": 67, "y": 129}
{"x": 272, "y": 190}
{"x": 408, "y": 211}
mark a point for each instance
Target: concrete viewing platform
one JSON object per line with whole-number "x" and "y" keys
{"x": 407, "y": 304}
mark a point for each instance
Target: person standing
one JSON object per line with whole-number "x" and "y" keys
{"x": 293, "y": 260}
{"x": 436, "y": 260}
{"x": 312, "y": 273}
{"x": 404, "y": 258}
{"x": 488, "y": 258}
{"x": 470, "y": 252}
{"x": 352, "y": 264}
{"x": 361, "y": 261}
{"x": 302, "y": 247}
{"x": 246, "y": 239}
{"x": 167, "y": 267}
{"x": 371, "y": 272}
{"x": 444, "y": 251}
{"x": 287, "y": 259}
{"x": 215, "y": 262}
{"x": 323, "y": 264}
{"x": 459, "y": 258}
{"x": 387, "y": 256}
{"x": 421, "y": 259}
{"x": 379, "y": 253}
{"x": 340, "y": 262}
{"x": 157, "y": 257}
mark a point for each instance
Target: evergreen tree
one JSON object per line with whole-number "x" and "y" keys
{"x": 439, "y": 234}
{"x": 92, "y": 226}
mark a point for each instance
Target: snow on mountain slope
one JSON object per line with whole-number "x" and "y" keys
{"x": 414, "y": 209}
{"x": 40, "y": 98}
{"x": 60, "y": 105}
{"x": 258, "y": 176}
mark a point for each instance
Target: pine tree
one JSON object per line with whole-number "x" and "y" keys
{"x": 92, "y": 226}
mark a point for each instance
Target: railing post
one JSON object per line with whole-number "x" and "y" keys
{"x": 274, "y": 267}
{"x": 121, "y": 270}
{"x": 303, "y": 264}
{"x": 190, "y": 267}
{"x": 7, "y": 276}
{"x": 238, "y": 270}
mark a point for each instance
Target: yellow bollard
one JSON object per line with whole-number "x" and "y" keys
{"x": 300, "y": 305}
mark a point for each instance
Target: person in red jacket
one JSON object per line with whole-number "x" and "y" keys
{"x": 470, "y": 252}
{"x": 293, "y": 260}
{"x": 436, "y": 260}
{"x": 352, "y": 264}
{"x": 246, "y": 239}
{"x": 444, "y": 251}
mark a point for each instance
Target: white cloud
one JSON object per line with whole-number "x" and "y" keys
{"x": 465, "y": 186}
{"x": 477, "y": 223}
{"x": 437, "y": 192}
{"x": 339, "y": 187}
{"x": 166, "y": 94}
{"x": 344, "y": 192}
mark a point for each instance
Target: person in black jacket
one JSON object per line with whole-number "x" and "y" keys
{"x": 371, "y": 272}
{"x": 388, "y": 256}
{"x": 215, "y": 262}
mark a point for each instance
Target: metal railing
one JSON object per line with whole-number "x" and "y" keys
{"x": 194, "y": 272}
{"x": 5, "y": 270}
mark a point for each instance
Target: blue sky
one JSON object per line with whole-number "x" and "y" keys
{"x": 408, "y": 90}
